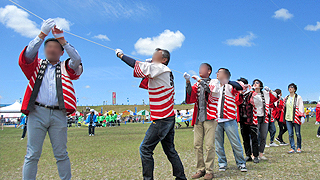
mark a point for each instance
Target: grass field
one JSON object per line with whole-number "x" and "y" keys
{"x": 114, "y": 154}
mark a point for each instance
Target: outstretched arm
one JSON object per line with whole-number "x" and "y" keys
{"x": 236, "y": 85}
{"x": 128, "y": 60}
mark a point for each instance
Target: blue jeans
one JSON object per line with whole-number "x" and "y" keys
{"x": 231, "y": 129}
{"x": 272, "y": 131}
{"x": 297, "y": 127}
{"x": 161, "y": 130}
{"x": 40, "y": 121}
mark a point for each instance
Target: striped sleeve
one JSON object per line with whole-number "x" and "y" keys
{"x": 150, "y": 70}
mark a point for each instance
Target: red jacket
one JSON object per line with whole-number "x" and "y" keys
{"x": 318, "y": 112}
{"x": 67, "y": 74}
{"x": 277, "y": 109}
{"x": 211, "y": 104}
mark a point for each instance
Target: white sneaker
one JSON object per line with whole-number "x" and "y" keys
{"x": 22, "y": 138}
{"x": 318, "y": 136}
{"x": 316, "y": 123}
{"x": 263, "y": 158}
{"x": 89, "y": 134}
{"x": 267, "y": 145}
{"x": 273, "y": 144}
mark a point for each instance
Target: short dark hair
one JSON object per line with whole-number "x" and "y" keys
{"x": 261, "y": 84}
{"x": 294, "y": 86}
{"x": 165, "y": 54}
{"x": 278, "y": 91}
{"x": 244, "y": 80}
{"x": 209, "y": 67}
{"x": 55, "y": 40}
{"x": 226, "y": 71}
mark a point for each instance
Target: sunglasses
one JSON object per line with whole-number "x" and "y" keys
{"x": 257, "y": 82}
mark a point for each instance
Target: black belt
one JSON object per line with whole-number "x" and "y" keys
{"x": 46, "y": 106}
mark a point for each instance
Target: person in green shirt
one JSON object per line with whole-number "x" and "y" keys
{"x": 293, "y": 114}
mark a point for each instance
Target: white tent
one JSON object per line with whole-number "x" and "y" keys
{"x": 12, "y": 111}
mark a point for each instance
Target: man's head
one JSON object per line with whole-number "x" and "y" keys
{"x": 278, "y": 91}
{"x": 292, "y": 88}
{"x": 161, "y": 56}
{"x": 92, "y": 111}
{"x": 223, "y": 74}
{"x": 244, "y": 80}
{"x": 187, "y": 110}
{"x": 53, "y": 50}
{"x": 205, "y": 70}
{"x": 257, "y": 84}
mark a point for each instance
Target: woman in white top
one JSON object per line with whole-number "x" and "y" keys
{"x": 261, "y": 100}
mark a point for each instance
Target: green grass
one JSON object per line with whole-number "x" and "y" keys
{"x": 114, "y": 154}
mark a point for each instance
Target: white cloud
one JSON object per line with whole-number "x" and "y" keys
{"x": 17, "y": 19}
{"x": 102, "y": 37}
{"x": 63, "y": 23}
{"x": 242, "y": 41}
{"x": 87, "y": 86}
{"x": 282, "y": 14}
{"x": 167, "y": 40}
{"x": 313, "y": 27}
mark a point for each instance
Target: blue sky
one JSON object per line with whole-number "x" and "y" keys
{"x": 278, "y": 42}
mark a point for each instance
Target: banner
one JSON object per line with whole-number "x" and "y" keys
{"x": 114, "y": 98}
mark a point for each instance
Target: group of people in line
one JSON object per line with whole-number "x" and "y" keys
{"x": 220, "y": 104}
{"x": 50, "y": 97}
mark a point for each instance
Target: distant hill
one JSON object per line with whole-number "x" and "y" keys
{"x": 121, "y": 108}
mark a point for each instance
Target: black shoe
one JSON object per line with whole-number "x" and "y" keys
{"x": 248, "y": 158}
{"x": 256, "y": 160}
{"x": 283, "y": 143}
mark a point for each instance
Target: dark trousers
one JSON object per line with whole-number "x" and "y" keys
{"x": 187, "y": 123}
{"x": 282, "y": 130}
{"x": 91, "y": 129}
{"x": 318, "y": 133}
{"x": 161, "y": 130}
{"x": 24, "y": 131}
{"x": 250, "y": 139}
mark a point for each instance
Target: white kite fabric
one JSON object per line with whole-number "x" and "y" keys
{"x": 80, "y": 36}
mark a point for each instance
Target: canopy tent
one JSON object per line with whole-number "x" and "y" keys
{"x": 127, "y": 113}
{"x": 12, "y": 111}
{"x": 143, "y": 113}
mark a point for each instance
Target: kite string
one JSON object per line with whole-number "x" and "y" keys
{"x": 80, "y": 36}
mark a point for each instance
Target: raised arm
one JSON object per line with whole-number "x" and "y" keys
{"x": 75, "y": 59}
{"x": 34, "y": 45}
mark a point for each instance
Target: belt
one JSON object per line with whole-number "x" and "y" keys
{"x": 46, "y": 106}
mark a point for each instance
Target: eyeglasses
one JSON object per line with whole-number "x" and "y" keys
{"x": 291, "y": 87}
{"x": 257, "y": 82}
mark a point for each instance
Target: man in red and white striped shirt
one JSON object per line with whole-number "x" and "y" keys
{"x": 158, "y": 79}
{"x": 49, "y": 97}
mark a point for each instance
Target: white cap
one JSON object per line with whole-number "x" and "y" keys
{"x": 91, "y": 110}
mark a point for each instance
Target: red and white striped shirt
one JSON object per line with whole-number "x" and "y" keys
{"x": 160, "y": 87}
{"x": 257, "y": 102}
{"x": 229, "y": 106}
{"x": 67, "y": 74}
{"x": 212, "y": 100}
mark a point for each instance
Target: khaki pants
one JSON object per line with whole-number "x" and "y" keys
{"x": 205, "y": 131}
